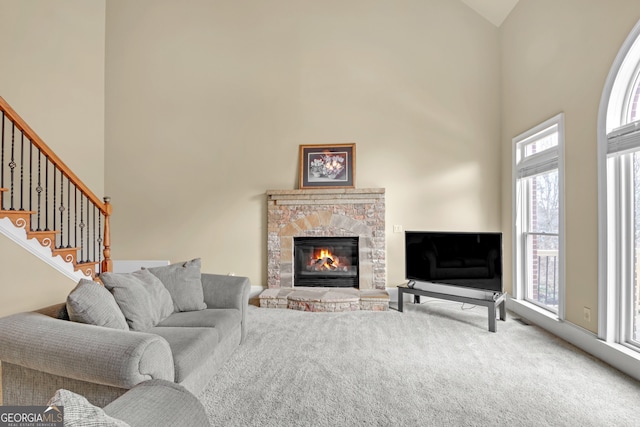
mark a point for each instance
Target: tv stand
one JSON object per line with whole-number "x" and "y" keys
{"x": 498, "y": 302}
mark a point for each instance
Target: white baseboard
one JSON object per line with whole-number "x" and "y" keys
{"x": 616, "y": 355}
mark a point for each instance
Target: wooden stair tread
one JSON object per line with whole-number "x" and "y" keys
{"x": 36, "y": 232}
{"x": 9, "y": 211}
{"x": 87, "y": 268}
{"x": 65, "y": 249}
{"x": 21, "y": 219}
{"x": 46, "y": 238}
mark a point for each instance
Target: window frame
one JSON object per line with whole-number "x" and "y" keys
{"x": 551, "y": 159}
{"x": 614, "y": 219}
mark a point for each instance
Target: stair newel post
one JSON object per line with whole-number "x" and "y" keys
{"x": 2, "y": 159}
{"x": 107, "y": 264}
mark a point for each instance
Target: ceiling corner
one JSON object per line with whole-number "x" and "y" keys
{"x": 494, "y": 11}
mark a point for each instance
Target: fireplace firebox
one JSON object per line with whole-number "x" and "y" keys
{"x": 326, "y": 261}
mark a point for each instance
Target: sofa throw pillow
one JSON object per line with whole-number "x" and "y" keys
{"x": 183, "y": 280}
{"x": 78, "y": 411}
{"x": 141, "y": 296}
{"x": 90, "y": 302}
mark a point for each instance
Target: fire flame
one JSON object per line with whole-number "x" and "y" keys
{"x": 325, "y": 253}
{"x": 324, "y": 260}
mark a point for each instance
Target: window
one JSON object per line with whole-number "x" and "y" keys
{"x": 619, "y": 139}
{"x": 538, "y": 207}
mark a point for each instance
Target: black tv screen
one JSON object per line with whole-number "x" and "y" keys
{"x": 466, "y": 259}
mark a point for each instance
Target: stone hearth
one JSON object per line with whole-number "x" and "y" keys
{"x": 325, "y": 299}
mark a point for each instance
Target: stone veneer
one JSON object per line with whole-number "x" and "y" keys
{"x": 326, "y": 213}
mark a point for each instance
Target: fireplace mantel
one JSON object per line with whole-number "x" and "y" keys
{"x": 326, "y": 196}
{"x": 326, "y": 212}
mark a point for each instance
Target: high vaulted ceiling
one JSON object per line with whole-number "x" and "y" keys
{"x": 494, "y": 11}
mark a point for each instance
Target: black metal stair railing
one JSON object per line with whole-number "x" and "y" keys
{"x": 37, "y": 183}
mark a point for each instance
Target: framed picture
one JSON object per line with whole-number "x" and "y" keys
{"x": 327, "y": 166}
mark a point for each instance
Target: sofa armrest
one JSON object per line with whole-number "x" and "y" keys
{"x": 222, "y": 291}
{"x": 227, "y": 292}
{"x": 158, "y": 403}
{"x": 83, "y": 352}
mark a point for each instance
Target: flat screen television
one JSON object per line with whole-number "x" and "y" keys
{"x": 465, "y": 259}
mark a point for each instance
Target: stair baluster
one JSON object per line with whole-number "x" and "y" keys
{"x": 46, "y": 194}
{"x": 75, "y": 218}
{"x": 68, "y": 212}
{"x": 12, "y": 165}
{"x": 30, "y": 176}
{"x": 21, "y": 171}
{"x": 53, "y": 205}
{"x": 39, "y": 190}
{"x": 61, "y": 209}
{"x": 2, "y": 159}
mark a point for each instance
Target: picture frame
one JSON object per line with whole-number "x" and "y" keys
{"x": 327, "y": 166}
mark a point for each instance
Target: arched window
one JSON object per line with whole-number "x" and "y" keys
{"x": 634, "y": 111}
{"x": 619, "y": 198}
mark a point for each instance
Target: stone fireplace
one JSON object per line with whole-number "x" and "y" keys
{"x": 326, "y": 213}
{"x": 355, "y": 213}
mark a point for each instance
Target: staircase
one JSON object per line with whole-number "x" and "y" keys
{"x": 45, "y": 207}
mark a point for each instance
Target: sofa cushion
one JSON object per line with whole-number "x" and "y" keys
{"x": 141, "y": 296}
{"x": 184, "y": 284}
{"x": 91, "y": 303}
{"x": 189, "y": 346}
{"x": 224, "y": 320}
{"x": 79, "y": 412}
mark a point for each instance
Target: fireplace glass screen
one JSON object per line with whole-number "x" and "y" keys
{"x": 326, "y": 261}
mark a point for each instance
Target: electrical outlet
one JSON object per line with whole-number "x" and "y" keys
{"x": 397, "y": 229}
{"x": 587, "y": 314}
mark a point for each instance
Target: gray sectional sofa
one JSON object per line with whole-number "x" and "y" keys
{"x": 100, "y": 352}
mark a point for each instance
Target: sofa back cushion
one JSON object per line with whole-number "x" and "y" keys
{"x": 183, "y": 280}
{"x": 141, "y": 296}
{"x": 89, "y": 302}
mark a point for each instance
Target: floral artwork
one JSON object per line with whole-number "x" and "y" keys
{"x": 325, "y": 166}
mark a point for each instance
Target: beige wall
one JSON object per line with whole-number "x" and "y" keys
{"x": 52, "y": 74}
{"x": 207, "y": 103}
{"x": 555, "y": 58}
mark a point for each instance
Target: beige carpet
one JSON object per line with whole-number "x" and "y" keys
{"x": 433, "y": 365}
